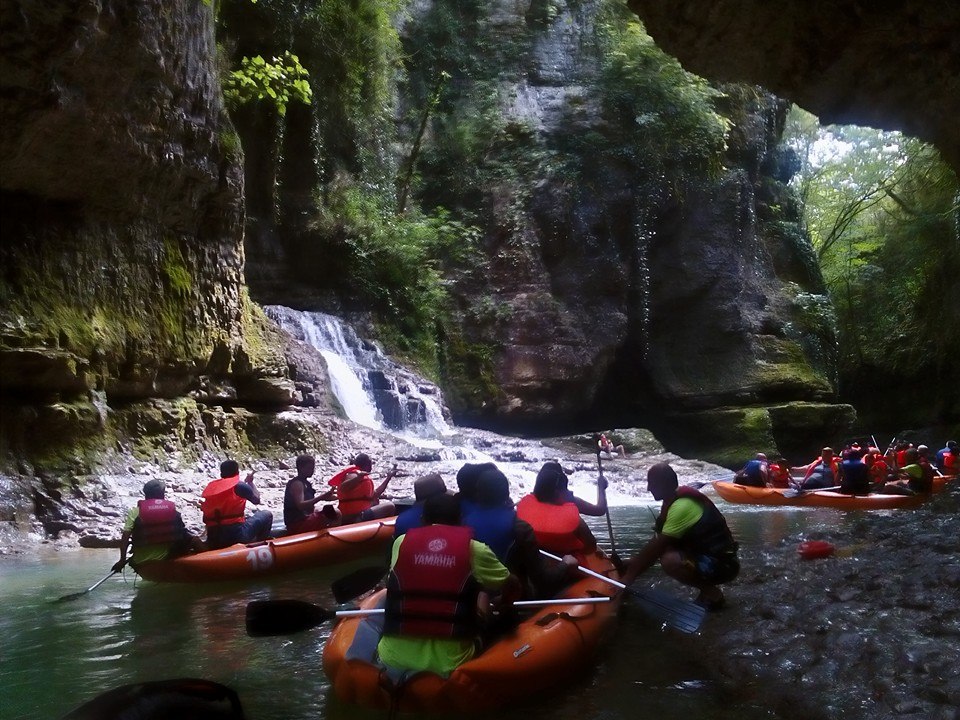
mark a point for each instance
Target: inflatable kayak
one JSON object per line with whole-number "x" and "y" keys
{"x": 547, "y": 648}
{"x": 318, "y": 548}
{"x": 746, "y": 494}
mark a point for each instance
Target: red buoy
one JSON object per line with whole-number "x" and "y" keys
{"x": 813, "y": 549}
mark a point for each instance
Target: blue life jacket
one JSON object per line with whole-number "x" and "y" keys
{"x": 410, "y": 518}
{"x": 493, "y": 526}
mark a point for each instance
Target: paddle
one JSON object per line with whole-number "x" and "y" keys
{"x": 101, "y": 581}
{"x": 285, "y": 617}
{"x": 614, "y": 557}
{"x": 797, "y": 492}
{"x": 684, "y": 615}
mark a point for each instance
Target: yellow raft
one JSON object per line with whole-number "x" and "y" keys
{"x": 748, "y": 495}
{"x": 552, "y": 645}
{"x": 317, "y": 548}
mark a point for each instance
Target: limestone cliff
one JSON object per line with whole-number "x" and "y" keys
{"x": 125, "y": 328}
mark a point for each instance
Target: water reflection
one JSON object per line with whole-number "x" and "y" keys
{"x": 59, "y": 655}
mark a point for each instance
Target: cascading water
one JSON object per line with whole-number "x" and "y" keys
{"x": 373, "y": 390}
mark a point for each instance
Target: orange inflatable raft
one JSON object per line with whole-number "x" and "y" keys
{"x": 746, "y": 494}
{"x": 318, "y": 548}
{"x": 552, "y": 645}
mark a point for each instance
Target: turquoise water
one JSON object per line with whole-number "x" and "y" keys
{"x": 57, "y": 656}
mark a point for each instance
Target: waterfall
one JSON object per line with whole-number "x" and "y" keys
{"x": 373, "y": 390}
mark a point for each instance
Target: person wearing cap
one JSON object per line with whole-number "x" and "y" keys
{"x": 357, "y": 498}
{"x": 434, "y": 598}
{"x": 155, "y": 530}
{"x": 424, "y": 488}
{"x": 554, "y": 516}
{"x": 692, "y": 540}
{"x": 224, "y": 502}
{"x": 948, "y": 458}
{"x": 300, "y": 500}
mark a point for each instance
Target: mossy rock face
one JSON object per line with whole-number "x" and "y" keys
{"x": 803, "y": 428}
{"x": 725, "y": 436}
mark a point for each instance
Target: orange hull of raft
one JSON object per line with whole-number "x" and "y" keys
{"x": 276, "y": 556}
{"x": 745, "y": 494}
{"x": 552, "y": 645}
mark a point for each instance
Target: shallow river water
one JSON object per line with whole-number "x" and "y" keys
{"x": 57, "y": 656}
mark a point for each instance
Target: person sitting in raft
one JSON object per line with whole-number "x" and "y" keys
{"x": 854, "y": 473}
{"x": 434, "y": 599}
{"x": 948, "y": 458}
{"x": 755, "y": 473}
{"x": 916, "y": 474}
{"x": 554, "y": 517}
{"x": 692, "y": 540}
{"x": 358, "y": 499}
{"x": 424, "y": 488}
{"x": 778, "y": 472}
{"x": 467, "y": 478}
{"x": 155, "y": 529}
{"x": 821, "y": 473}
{"x": 223, "y": 503}
{"x": 300, "y": 499}
{"x": 494, "y": 522}
{"x": 609, "y": 448}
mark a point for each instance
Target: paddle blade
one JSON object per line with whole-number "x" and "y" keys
{"x": 357, "y": 583}
{"x": 683, "y": 615}
{"x": 283, "y": 617}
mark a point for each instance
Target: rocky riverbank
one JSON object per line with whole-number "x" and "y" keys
{"x": 870, "y": 633}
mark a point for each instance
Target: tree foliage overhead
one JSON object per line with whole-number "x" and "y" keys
{"x": 883, "y": 212}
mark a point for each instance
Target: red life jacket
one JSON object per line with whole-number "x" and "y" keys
{"x": 879, "y": 470}
{"x": 221, "y": 504}
{"x": 357, "y": 499}
{"x": 902, "y": 457}
{"x": 431, "y": 591}
{"x": 158, "y": 523}
{"x": 951, "y": 463}
{"x": 555, "y": 526}
{"x": 779, "y": 475}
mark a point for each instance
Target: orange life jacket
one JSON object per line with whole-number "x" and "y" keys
{"x": 357, "y": 499}
{"x": 555, "y": 526}
{"x": 779, "y": 475}
{"x": 221, "y": 504}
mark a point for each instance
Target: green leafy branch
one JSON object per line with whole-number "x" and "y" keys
{"x": 279, "y": 81}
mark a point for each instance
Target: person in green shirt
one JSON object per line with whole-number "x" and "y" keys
{"x": 692, "y": 540}
{"x": 155, "y": 530}
{"x": 436, "y": 592}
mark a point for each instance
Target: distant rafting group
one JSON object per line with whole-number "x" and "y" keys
{"x": 904, "y": 469}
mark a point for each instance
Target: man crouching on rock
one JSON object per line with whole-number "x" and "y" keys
{"x": 692, "y": 541}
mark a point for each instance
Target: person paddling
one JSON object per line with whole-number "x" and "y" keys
{"x": 155, "y": 530}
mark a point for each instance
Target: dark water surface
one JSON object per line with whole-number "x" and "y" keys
{"x": 56, "y": 656}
